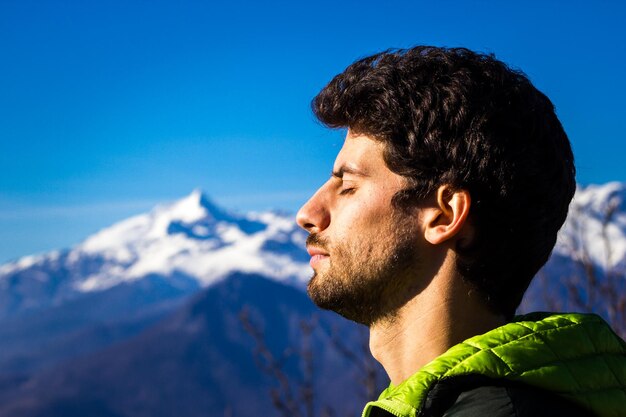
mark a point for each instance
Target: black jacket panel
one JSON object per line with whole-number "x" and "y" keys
{"x": 512, "y": 401}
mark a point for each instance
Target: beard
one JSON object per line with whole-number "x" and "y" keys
{"x": 365, "y": 282}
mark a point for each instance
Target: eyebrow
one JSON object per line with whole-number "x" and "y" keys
{"x": 344, "y": 169}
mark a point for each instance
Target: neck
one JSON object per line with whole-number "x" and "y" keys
{"x": 439, "y": 317}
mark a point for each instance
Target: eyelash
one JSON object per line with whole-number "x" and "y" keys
{"x": 347, "y": 191}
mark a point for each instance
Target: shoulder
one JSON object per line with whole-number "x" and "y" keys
{"x": 512, "y": 401}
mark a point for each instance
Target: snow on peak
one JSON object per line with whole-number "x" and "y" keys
{"x": 598, "y": 198}
{"x": 195, "y": 237}
{"x": 157, "y": 224}
{"x": 596, "y": 225}
{"x": 194, "y": 207}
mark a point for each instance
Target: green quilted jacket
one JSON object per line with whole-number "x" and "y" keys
{"x": 576, "y": 356}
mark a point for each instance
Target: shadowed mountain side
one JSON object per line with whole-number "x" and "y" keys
{"x": 31, "y": 341}
{"x": 198, "y": 362}
{"x": 44, "y": 284}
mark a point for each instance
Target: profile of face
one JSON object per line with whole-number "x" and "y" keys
{"x": 363, "y": 249}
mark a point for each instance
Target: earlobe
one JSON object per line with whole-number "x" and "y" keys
{"x": 447, "y": 219}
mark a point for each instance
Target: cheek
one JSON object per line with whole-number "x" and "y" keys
{"x": 363, "y": 230}
{"x": 364, "y": 216}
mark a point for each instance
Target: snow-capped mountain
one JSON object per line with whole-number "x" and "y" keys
{"x": 199, "y": 239}
{"x": 192, "y": 241}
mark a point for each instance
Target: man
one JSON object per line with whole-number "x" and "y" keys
{"x": 445, "y": 200}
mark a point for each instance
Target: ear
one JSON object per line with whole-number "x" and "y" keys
{"x": 445, "y": 220}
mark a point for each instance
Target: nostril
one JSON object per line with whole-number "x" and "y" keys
{"x": 307, "y": 223}
{"x": 304, "y": 218}
{"x": 303, "y": 221}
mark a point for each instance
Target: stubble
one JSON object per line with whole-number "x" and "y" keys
{"x": 366, "y": 276}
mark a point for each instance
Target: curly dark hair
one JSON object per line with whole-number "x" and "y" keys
{"x": 453, "y": 116}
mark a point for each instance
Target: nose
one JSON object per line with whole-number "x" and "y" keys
{"x": 314, "y": 215}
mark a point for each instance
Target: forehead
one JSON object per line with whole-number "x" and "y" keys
{"x": 362, "y": 152}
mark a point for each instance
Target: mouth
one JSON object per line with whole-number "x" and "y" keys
{"x": 317, "y": 255}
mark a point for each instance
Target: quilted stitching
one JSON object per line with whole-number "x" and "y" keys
{"x": 608, "y": 365}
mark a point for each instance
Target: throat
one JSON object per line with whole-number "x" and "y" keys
{"x": 403, "y": 347}
{"x": 418, "y": 334}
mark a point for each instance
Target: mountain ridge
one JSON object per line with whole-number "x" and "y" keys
{"x": 192, "y": 237}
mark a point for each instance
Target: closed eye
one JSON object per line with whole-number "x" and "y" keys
{"x": 347, "y": 191}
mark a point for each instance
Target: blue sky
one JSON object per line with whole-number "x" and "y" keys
{"x": 107, "y": 108}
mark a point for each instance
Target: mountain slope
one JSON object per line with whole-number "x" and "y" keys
{"x": 200, "y": 361}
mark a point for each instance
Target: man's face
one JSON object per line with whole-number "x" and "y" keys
{"x": 363, "y": 249}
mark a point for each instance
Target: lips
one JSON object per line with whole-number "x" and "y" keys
{"x": 317, "y": 255}
{"x": 313, "y": 251}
